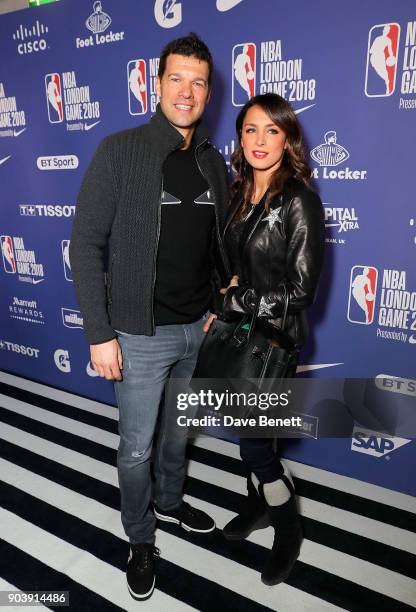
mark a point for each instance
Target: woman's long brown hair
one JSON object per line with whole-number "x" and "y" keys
{"x": 294, "y": 160}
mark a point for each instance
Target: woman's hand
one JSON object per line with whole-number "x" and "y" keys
{"x": 233, "y": 283}
{"x": 208, "y": 322}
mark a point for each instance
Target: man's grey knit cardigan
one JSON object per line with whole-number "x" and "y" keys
{"x": 118, "y": 213}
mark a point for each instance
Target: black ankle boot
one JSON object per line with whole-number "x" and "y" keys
{"x": 287, "y": 537}
{"x": 253, "y": 516}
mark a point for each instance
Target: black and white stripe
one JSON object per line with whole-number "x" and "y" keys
{"x": 61, "y": 528}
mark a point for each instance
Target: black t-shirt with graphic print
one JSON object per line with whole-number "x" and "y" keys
{"x": 182, "y": 290}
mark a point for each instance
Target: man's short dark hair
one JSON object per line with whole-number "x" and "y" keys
{"x": 190, "y": 46}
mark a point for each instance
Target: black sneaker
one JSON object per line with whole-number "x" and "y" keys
{"x": 187, "y": 517}
{"x": 140, "y": 571}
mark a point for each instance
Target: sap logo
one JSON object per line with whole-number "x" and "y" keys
{"x": 168, "y": 13}
{"x": 62, "y": 362}
{"x": 375, "y": 443}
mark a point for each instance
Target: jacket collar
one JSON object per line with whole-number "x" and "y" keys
{"x": 166, "y": 137}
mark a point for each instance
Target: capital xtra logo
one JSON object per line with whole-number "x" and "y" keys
{"x": 362, "y": 294}
{"x": 382, "y": 54}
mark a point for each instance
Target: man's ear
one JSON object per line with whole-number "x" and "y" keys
{"x": 157, "y": 86}
{"x": 209, "y": 95}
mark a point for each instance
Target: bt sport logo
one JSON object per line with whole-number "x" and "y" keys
{"x": 362, "y": 294}
{"x": 382, "y": 53}
{"x": 243, "y": 73}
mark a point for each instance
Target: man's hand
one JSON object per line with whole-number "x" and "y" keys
{"x": 208, "y": 322}
{"x": 107, "y": 359}
{"x": 233, "y": 283}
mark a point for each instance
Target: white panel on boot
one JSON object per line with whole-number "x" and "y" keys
{"x": 276, "y": 493}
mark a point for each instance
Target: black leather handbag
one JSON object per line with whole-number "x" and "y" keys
{"x": 248, "y": 349}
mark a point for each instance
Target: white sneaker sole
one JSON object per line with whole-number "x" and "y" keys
{"x": 169, "y": 519}
{"x": 142, "y": 595}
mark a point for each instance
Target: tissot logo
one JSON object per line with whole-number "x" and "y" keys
{"x": 168, "y": 13}
{"x": 20, "y": 349}
{"x": 47, "y": 210}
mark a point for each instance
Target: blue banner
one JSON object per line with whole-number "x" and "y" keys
{"x": 76, "y": 71}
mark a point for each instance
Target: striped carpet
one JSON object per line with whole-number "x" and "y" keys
{"x": 60, "y": 522}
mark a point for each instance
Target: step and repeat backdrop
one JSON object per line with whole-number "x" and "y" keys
{"x": 76, "y": 71}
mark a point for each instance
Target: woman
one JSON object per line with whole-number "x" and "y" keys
{"x": 274, "y": 238}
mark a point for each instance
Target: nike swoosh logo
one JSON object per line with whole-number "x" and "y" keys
{"x": 300, "y": 110}
{"x": 19, "y": 132}
{"x": 88, "y": 127}
{"x": 316, "y": 366}
{"x": 226, "y": 5}
{"x": 412, "y": 340}
{"x": 4, "y": 159}
{"x": 36, "y": 282}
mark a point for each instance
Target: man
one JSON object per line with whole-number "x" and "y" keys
{"x": 154, "y": 196}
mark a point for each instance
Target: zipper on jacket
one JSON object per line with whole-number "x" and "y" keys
{"x": 217, "y": 226}
{"x": 159, "y": 210}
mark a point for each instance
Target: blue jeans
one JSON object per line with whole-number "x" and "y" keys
{"x": 148, "y": 361}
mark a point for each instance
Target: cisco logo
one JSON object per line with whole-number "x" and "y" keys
{"x": 36, "y": 38}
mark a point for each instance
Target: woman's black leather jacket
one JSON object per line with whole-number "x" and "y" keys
{"x": 286, "y": 245}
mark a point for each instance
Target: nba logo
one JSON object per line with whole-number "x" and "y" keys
{"x": 243, "y": 73}
{"x": 65, "y": 259}
{"x": 54, "y": 97}
{"x": 136, "y": 87}
{"x": 382, "y": 53}
{"x": 9, "y": 262}
{"x": 362, "y": 294}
